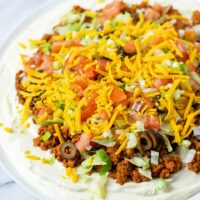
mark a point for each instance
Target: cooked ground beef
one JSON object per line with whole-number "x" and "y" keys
{"x": 195, "y": 164}
{"x": 166, "y": 167}
{"x": 19, "y": 86}
{"x": 114, "y": 158}
{"x": 51, "y": 143}
{"x": 123, "y": 171}
{"x": 137, "y": 177}
{"x": 196, "y": 18}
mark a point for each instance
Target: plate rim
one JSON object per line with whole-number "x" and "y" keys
{"x": 4, "y": 161}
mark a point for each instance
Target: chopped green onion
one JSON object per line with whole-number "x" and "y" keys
{"x": 103, "y": 155}
{"x": 46, "y": 136}
{"x": 121, "y": 122}
{"x": 99, "y": 158}
{"x": 46, "y": 47}
{"x": 59, "y": 105}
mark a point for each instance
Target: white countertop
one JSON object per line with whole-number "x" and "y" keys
{"x": 13, "y": 13}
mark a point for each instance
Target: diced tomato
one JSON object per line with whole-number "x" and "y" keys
{"x": 152, "y": 122}
{"x": 149, "y": 102}
{"x": 190, "y": 35}
{"x": 191, "y": 67}
{"x": 102, "y": 63}
{"x": 157, "y": 40}
{"x": 43, "y": 110}
{"x": 184, "y": 49}
{"x": 118, "y": 96}
{"x": 88, "y": 112}
{"x": 47, "y": 64}
{"x": 152, "y": 14}
{"x": 90, "y": 73}
{"x": 135, "y": 116}
{"x": 111, "y": 10}
{"x": 27, "y": 67}
{"x": 160, "y": 82}
{"x": 130, "y": 47}
{"x": 158, "y": 7}
{"x": 90, "y": 108}
{"x": 84, "y": 142}
{"x": 56, "y": 46}
{"x": 37, "y": 58}
{"x": 81, "y": 83}
{"x": 104, "y": 115}
{"x": 74, "y": 43}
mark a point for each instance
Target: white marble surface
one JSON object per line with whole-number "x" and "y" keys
{"x": 12, "y": 13}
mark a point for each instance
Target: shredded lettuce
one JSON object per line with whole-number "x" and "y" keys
{"x": 52, "y": 121}
{"x": 99, "y": 158}
{"x": 71, "y": 27}
{"x": 107, "y": 133}
{"x": 121, "y": 18}
{"x": 185, "y": 144}
{"x": 166, "y": 128}
{"x": 98, "y": 189}
{"x": 101, "y": 186}
{"x": 70, "y": 17}
{"x": 161, "y": 185}
{"x": 106, "y": 142}
{"x": 154, "y": 157}
{"x": 145, "y": 172}
{"x": 167, "y": 142}
{"x": 177, "y": 94}
{"x": 132, "y": 140}
{"x": 139, "y": 125}
{"x": 140, "y": 162}
{"x": 185, "y": 153}
{"x": 88, "y": 40}
{"x": 129, "y": 88}
{"x": 180, "y": 66}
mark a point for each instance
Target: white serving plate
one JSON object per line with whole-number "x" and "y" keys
{"x": 38, "y": 23}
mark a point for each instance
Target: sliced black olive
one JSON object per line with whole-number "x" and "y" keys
{"x": 152, "y": 135}
{"x": 182, "y": 103}
{"x": 68, "y": 150}
{"x": 145, "y": 141}
{"x": 135, "y": 17}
